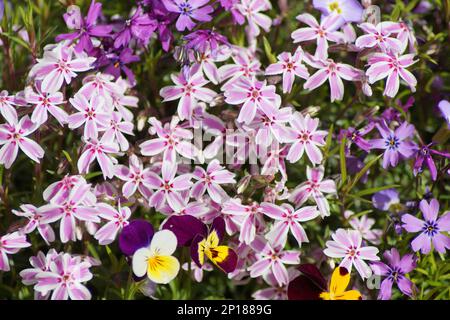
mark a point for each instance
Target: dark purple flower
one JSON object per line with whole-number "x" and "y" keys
{"x": 138, "y": 234}
{"x": 355, "y": 165}
{"x": 189, "y": 10}
{"x": 117, "y": 64}
{"x": 309, "y": 285}
{"x": 424, "y": 156}
{"x": 205, "y": 40}
{"x": 139, "y": 26}
{"x": 185, "y": 228}
{"x": 384, "y": 199}
{"x": 356, "y": 136}
{"x": 85, "y": 28}
{"x": 394, "y": 271}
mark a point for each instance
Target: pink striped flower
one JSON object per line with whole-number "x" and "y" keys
{"x": 117, "y": 220}
{"x": 379, "y": 36}
{"x": 275, "y": 291}
{"x": 253, "y": 95}
{"x": 189, "y": 90}
{"x": 77, "y": 206}
{"x": 99, "y": 150}
{"x": 314, "y": 188}
{"x": 322, "y": 33}
{"x": 210, "y": 180}
{"x": 14, "y": 136}
{"x": 271, "y": 259}
{"x": 290, "y": 66}
{"x": 347, "y": 244}
{"x": 45, "y": 103}
{"x": 270, "y": 127}
{"x": 59, "y": 191}
{"x": 11, "y": 243}
{"x": 245, "y": 65}
{"x": 305, "y": 136}
{"x": 91, "y": 113}
{"x": 393, "y": 66}
{"x": 332, "y": 71}
{"x": 114, "y": 131}
{"x": 135, "y": 177}
{"x": 7, "y": 108}
{"x": 288, "y": 219}
{"x": 34, "y": 217}
{"x": 251, "y": 10}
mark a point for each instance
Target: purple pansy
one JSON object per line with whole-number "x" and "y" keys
{"x": 137, "y": 234}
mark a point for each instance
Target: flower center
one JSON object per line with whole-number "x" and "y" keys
{"x": 334, "y": 6}
{"x": 430, "y": 228}
{"x": 392, "y": 142}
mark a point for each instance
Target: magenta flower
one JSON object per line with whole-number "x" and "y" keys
{"x": 272, "y": 259}
{"x": 75, "y": 207}
{"x": 393, "y": 66}
{"x": 322, "y": 33}
{"x": 11, "y": 243}
{"x": 117, "y": 220}
{"x": 135, "y": 177}
{"x": 114, "y": 132}
{"x": 347, "y": 244}
{"x": 424, "y": 156}
{"x": 210, "y": 180}
{"x": 168, "y": 187}
{"x": 140, "y": 26}
{"x": 432, "y": 230}
{"x": 314, "y": 188}
{"x": 189, "y": 10}
{"x": 332, "y": 71}
{"x": 347, "y": 10}
{"x": 356, "y": 136}
{"x": 394, "y": 272}
{"x": 34, "y": 222}
{"x": 251, "y": 10}
{"x": 98, "y": 150}
{"x": 14, "y": 136}
{"x": 290, "y": 66}
{"x": 288, "y": 219}
{"x": 189, "y": 91}
{"x": 379, "y": 36}
{"x": 91, "y": 113}
{"x": 305, "y": 136}
{"x": 253, "y": 95}
{"x": 6, "y": 107}
{"x": 65, "y": 278}
{"x": 395, "y": 143}
{"x": 58, "y": 66}
{"x": 45, "y": 102}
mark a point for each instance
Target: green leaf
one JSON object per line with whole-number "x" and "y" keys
{"x": 268, "y": 51}
{"x": 361, "y": 173}
{"x": 343, "y": 161}
{"x": 17, "y": 40}
{"x": 93, "y": 175}
{"x": 376, "y": 189}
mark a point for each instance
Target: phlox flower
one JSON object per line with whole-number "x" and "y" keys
{"x": 347, "y": 10}
{"x": 405, "y": 33}
{"x": 275, "y": 161}
{"x": 289, "y": 66}
{"x": 444, "y": 107}
{"x": 245, "y": 65}
{"x": 197, "y": 271}
{"x": 271, "y": 127}
{"x": 59, "y": 191}
{"x": 287, "y": 219}
{"x": 189, "y": 10}
{"x": 396, "y": 143}
{"x": 206, "y": 42}
{"x": 379, "y": 36}
{"x": 75, "y": 207}
{"x": 356, "y": 136}
{"x": 251, "y": 10}
{"x": 209, "y": 180}
{"x": 272, "y": 259}
{"x": 206, "y": 63}
{"x": 117, "y": 220}
{"x": 116, "y": 64}
{"x": 364, "y": 226}
{"x": 135, "y": 177}
{"x": 65, "y": 277}
{"x": 189, "y": 89}
{"x": 30, "y": 212}
{"x": 393, "y": 66}
{"x": 120, "y": 101}
{"x": 394, "y": 272}
{"x": 99, "y": 84}
{"x": 305, "y": 136}
{"x": 156, "y": 260}
{"x": 321, "y": 32}
{"x": 13, "y": 136}
{"x": 114, "y": 131}
{"x": 424, "y": 156}
{"x": 99, "y": 150}
{"x": 58, "y": 66}
{"x": 45, "y": 102}
{"x": 347, "y": 244}
{"x": 11, "y": 243}
{"x": 139, "y": 26}
{"x": 275, "y": 292}
{"x": 432, "y": 229}
{"x": 7, "y": 109}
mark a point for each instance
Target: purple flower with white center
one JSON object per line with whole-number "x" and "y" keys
{"x": 347, "y": 244}
{"x": 394, "y": 272}
{"x": 34, "y": 222}
{"x": 58, "y": 66}
{"x": 168, "y": 187}
{"x": 139, "y": 26}
{"x": 85, "y": 28}
{"x": 444, "y": 107}
{"x": 432, "y": 229}
{"x": 424, "y": 156}
{"x": 45, "y": 102}
{"x": 99, "y": 150}
{"x": 395, "y": 143}
{"x": 91, "y": 113}
{"x": 347, "y": 10}
{"x": 172, "y": 140}
{"x": 322, "y": 33}
{"x": 290, "y": 66}
{"x": 314, "y": 188}
{"x": 11, "y": 243}
{"x": 13, "y": 136}
{"x": 65, "y": 278}
{"x": 287, "y": 219}
{"x": 114, "y": 132}
{"x": 379, "y": 36}
{"x": 383, "y": 200}
{"x": 135, "y": 178}
{"x": 189, "y": 90}
{"x": 393, "y": 66}
{"x": 117, "y": 220}
{"x": 332, "y": 71}
{"x": 275, "y": 292}
{"x": 251, "y": 10}
{"x": 305, "y": 136}
{"x": 253, "y": 95}
{"x": 210, "y": 180}
{"x": 188, "y": 11}
{"x": 271, "y": 258}
{"x": 6, "y": 107}
{"x": 72, "y": 209}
